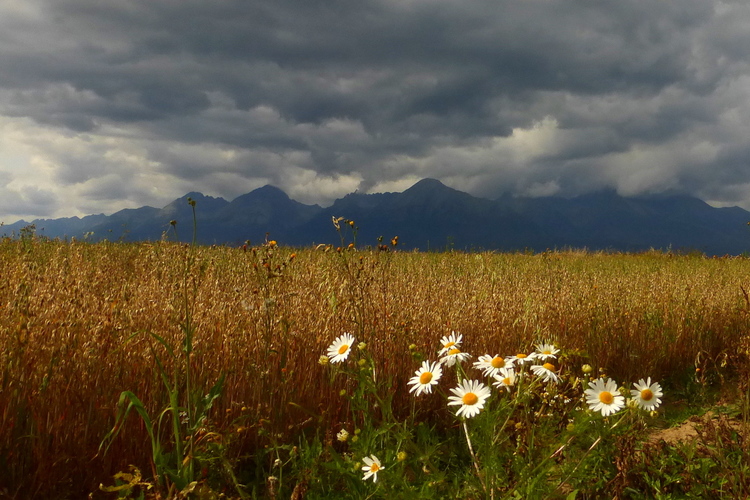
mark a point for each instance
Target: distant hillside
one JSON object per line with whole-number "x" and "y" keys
{"x": 430, "y": 216}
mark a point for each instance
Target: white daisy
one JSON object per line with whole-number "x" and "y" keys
{"x": 454, "y": 355}
{"x": 546, "y": 351}
{"x": 341, "y": 347}
{"x": 646, "y": 395}
{"x": 546, "y": 372}
{"x": 424, "y": 378}
{"x": 521, "y": 359}
{"x": 603, "y": 396}
{"x": 372, "y": 467}
{"x": 449, "y": 342}
{"x": 491, "y": 364}
{"x": 471, "y": 395}
{"x": 505, "y": 378}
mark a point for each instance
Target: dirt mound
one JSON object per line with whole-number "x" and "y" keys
{"x": 698, "y": 427}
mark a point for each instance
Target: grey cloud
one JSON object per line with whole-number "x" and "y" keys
{"x": 507, "y": 48}
{"x": 29, "y": 201}
{"x": 377, "y": 89}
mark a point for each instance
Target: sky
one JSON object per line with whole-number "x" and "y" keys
{"x": 112, "y": 104}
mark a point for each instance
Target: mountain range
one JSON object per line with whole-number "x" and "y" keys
{"x": 428, "y": 216}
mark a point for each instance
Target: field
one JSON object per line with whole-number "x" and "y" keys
{"x": 216, "y": 352}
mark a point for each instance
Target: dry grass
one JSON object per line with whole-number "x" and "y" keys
{"x": 67, "y": 309}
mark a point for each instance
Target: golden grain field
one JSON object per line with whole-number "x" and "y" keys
{"x": 76, "y": 321}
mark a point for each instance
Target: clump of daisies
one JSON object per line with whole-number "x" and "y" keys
{"x": 504, "y": 372}
{"x": 521, "y": 390}
{"x": 540, "y": 366}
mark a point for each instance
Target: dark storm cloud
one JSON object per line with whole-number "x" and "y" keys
{"x": 373, "y": 61}
{"x": 532, "y": 96}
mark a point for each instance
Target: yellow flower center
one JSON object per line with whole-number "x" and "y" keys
{"x": 449, "y": 344}
{"x": 470, "y": 399}
{"x": 453, "y": 351}
{"x": 497, "y": 362}
{"x": 549, "y": 366}
{"x": 374, "y": 468}
{"x": 425, "y": 378}
{"x": 546, "y": 352}
{"x": 506, "y": 381}
{"x": 521, "y": 356}
{"x": 647, "y": 395}
{"x": 343, "y": 349}
{"x": 606, "y": 397}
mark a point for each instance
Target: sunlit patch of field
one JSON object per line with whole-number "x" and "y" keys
{"x": 78, "y": 324}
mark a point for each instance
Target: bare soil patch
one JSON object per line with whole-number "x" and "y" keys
{"x": 697, "y": 427}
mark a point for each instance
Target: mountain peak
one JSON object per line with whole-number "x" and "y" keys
{"x": 203, "y": 204}
{"x": 198, "y": 198}
{"x": 263, "y": 196}
{"x": 269, "y": 192}
{"x": 433, "y": 189}
{"x": 428, "y": 184}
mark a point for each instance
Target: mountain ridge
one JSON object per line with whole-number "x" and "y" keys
{"x": 429, "y": 216}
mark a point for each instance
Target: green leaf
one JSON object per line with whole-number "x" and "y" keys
{"x": 122, "y": 414}
{"x": 163, "y": 342}
{"x": 208, "y": 401}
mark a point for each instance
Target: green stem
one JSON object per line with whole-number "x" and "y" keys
{"x": 473, "y": 456}
{"x": 188, "y": 348}
{"x": 175, "y": 405}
